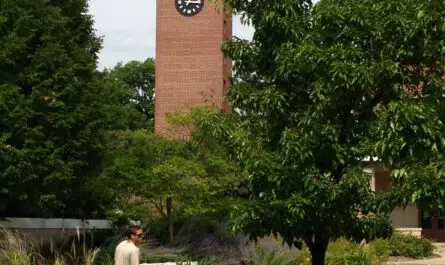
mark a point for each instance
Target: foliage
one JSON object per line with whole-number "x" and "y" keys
{"x": 137, "y": 161}
{"x": 168, "y": 177}
{"x": 157, "y": 228}
{"x": 410, "y": 246}
{"x": 51, "y": 114}
{"x": 380, "y": 250}
{"x": 159, "y": 258}
{"x": 104, "y": 258}
{"x": 344, "y": 252}
{"x": 14, "y": 249}
{"x": 372, "y": 227}
{"x": 213, "y": 243}
{"x": 18, "y": 250}
{"x": 130, "y": 94}
{"x": 319, "y": 88}
{"x": 128, "y": 165}
{"x": 168, "y": 258}
{"x": 262, "y": 256}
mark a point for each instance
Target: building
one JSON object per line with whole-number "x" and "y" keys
{"x": 409, "y": 219}
{"x": 190, "y": 67}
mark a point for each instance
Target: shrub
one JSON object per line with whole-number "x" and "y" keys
{"x": 304, "y": 257}
{"x": 261, "y": 256}
{"x": 379, "y": 250}
{"x": 160, "y": 258}
{"x": 343, "y": 252}
{"x": 158, "y": 229}
{"x": 14, "y": 250}
{"x": 168, "y": 257}
{"x": 104, "y": 258}
{"x": 12, "y": 257}
{"x": 410, "y": 246}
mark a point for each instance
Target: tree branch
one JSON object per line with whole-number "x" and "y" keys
{"x": 160, "y": 208}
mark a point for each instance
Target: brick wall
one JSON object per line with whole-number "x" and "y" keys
{"x": 190, "y": 68}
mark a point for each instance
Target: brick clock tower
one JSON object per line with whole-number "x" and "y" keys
{"x": 190, "y": 67}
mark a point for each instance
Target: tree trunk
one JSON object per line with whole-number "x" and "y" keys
{"x": 318, "y": 258}
{"x": 170, "y": 219}
{"x": 318, "y": 247}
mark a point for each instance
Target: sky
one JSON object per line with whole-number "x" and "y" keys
{"x": 129, "y": 30}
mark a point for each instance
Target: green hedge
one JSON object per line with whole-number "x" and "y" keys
{"x": 410, "y": 246}
{"x": 346, "y": 252}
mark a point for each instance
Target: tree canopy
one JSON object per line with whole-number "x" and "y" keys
{"x": 130, "y": 93}
{"x": 319, "y": 88}
{"x": 171, "y": 177}
{"x": 51, "y": 115}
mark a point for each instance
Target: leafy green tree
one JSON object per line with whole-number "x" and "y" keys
{"x": 178, "y": 180}
{"x": 319, "y": 88}
{"x": 173, "y": 177}
{"x": 130, "y": 94}
{"x": 51, "y": 116}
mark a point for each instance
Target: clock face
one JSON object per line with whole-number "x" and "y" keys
{"x": 189, "y": 8}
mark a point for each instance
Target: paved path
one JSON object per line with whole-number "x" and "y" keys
{"x": 431, "y": 261}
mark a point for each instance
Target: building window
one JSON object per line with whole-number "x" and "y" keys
{"x": 426, "y": 221}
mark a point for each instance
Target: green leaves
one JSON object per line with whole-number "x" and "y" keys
{"x": 321, "y": 86}
{"x": 51, "y": 132}
{"x": 197, "y": 175}
{"x": 407, "y": 129}
{"x": 130, "y": 94}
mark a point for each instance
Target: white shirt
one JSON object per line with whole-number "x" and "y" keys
{"x": 126, "y": 253}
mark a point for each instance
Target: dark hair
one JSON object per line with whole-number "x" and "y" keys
{"x": 132, "y": 230}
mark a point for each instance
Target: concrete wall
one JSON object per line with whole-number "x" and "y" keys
{"x": 44, "y": 230}
{"x": 406, "y": 217}
{"x": 401, "y": 217}
{"x": 41, "y": 223}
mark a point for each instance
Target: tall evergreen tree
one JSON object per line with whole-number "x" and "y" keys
{"x": 51, "y": 123}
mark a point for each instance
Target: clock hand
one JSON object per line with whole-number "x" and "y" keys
{"x": 187, "y": 2}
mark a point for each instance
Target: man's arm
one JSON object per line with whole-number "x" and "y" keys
{"x": 134, "y": 257}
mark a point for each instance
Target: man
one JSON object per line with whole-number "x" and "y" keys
{"x": 127, "y": 252}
